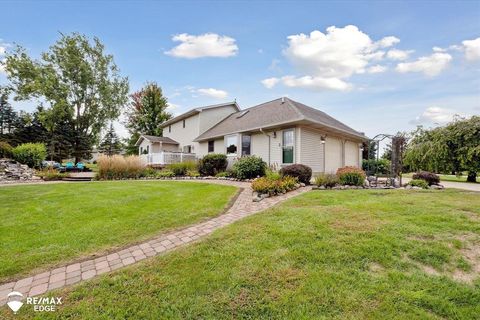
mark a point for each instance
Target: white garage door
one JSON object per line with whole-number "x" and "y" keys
{"x": 333, "y": 154}
{"x": 351, "y": 154}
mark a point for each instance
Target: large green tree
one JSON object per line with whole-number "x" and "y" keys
{"x": 75, "y": 78}
{"x": 453, "y": 148}
{"x": 8, "y": 117}
{"x": 111, "y": 143}
{"x": 146, "y": 112}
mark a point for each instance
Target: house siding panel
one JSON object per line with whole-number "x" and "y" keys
{"x": 333, "y": 154}
{"x": 184, "y": 136}
{"x": 351, "y": 154}
{"x": 260, "y": 146}
{"x": 210, "y": 117}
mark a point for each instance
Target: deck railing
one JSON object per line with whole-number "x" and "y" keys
{"x": 164, "y": 158}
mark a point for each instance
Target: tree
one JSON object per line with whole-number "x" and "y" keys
{"x": 146, "y": 112}
{"x": 369, "y": 150}
{"x": 452, "y": 148}
{"x": 8, "y": 116}
{"x": 110, "y": 144}
{"x": 75, "y": 78}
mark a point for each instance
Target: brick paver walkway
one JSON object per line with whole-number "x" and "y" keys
{"x": 76, "y": 272}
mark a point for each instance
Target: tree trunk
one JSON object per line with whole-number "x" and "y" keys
{"x": 472, "y": 177}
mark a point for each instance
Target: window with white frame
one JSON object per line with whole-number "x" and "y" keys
{"x": 231, "y": 145}
{"x": 288, "y": 146}
{"x": 246, "y": 144}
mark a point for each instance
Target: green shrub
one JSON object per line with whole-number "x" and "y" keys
{"x": 6, "y": 150}
{"x": 382, "y": 165}
{"x": 429, "y": 177}
{"x": 193, "y": 173}
{"x": 249, "y": 167}
{"x": 300, "y": 171}
{"x": 212, "y": 163}
{"x": 351, "y": 176}
{"x": 223, "y": 174}
{"x": 51, "y": 174}
{"x": 181, "y": 168}
{"x": 149, "y": 172}
{"x": 31, "y": 154}
{"x": 327, "y": 180}
{"x": 418, "y": 183}
{"x": 165, "y": 174}
{"x": 272, "y": 175}
{"x": 269, "y": 186}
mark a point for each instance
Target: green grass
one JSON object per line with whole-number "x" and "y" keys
{"x": 47, "y": 224}
{"x": 323, "y": 255}
{"x": 448, "y": 177}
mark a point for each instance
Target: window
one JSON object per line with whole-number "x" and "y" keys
{"x": 187, "y": 149}
{"x": 211, "y": 146}
{"x": 231, "y": 145}
{"x": 184, "y": 123}
{"x": 288, "y": 143}
{"x": 246, "y": 143}
{"x": 169, "y": 128}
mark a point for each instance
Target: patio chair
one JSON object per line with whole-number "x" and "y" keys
{"x": 69, "y": 166}
{"x": 80, "y": 166}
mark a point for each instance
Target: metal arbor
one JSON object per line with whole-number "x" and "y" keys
{"x": 398, "y": 144}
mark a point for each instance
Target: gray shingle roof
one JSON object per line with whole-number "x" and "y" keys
{"x": 274, "y": 113}
{"x": 156, "y": 139}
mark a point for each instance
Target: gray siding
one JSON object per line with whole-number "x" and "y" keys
{"x": 311, "y": 149}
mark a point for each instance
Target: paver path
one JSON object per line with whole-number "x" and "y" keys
{"x": 76, "y": 272}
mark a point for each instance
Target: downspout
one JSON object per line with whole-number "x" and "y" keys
{"x": 269, "y": 144}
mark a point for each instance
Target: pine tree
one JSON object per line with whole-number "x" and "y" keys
{"x": 110, "y": 144}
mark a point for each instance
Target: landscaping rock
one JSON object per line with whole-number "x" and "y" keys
{"x": 437, "y": 187}
{"x": 11, "y": 170}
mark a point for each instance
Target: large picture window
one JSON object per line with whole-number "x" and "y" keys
{"x": 287, "y": 147}
{"x": 246, "y": 143}
{"x": 231, "y": 143}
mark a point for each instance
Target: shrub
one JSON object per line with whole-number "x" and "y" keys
{"x": 213, "y": 163}
{"x": 119, "y": 167}
{"x": 351, "y": 176}
{"x": 193, "y": 173}
{"x": 223, "y": 174}
{"x": 272, "y": 175}
{"x": 50, "y": 174}
{"x": 165, "y": 174}
{"x": 31, "y": 154}
{"x": 327, "y": 180}
{"x": 419, "y": 183}
{"x": 383, "y": 165}
{"x": 265, "y": 185}
{"x": 249, "y": 167}
{"x": 300, "y": 171}
{"x": 429, "y": 177}
{"x": 181, "y": 168}
{"x": 149, "y": 172}
{"x": 6, "y": 150}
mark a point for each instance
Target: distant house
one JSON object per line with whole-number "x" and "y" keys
{"x": 281, "y": 132}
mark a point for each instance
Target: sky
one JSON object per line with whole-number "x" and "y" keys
{"x": 377, "y": 66}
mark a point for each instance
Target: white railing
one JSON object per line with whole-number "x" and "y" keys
{"x": 164, "y": 157}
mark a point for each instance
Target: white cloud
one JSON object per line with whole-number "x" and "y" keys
{"x": 308, "y": 82}
{"x": 172, "y": 106}
{"x": 2, "y": 67}
{"x": 472, "y": 49}
{"x": 213, "y": 93}
{"x": 396, "y": 54}
{"x": 429, "y": 65}
{"x": 376, "y": 69}
{"x": 435, "y": 115}
{"x": 327, "y": 60}
{"x": 270, "y": 82}
{"x": 204, "y": 45}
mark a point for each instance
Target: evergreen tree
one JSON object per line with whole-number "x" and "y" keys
{"x": 110, "y": 144}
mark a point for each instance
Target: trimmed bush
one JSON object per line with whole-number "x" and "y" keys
{"x": 270, "y": 186}
{"x": 351, "y": 176}
{"x": 181, "y": 168}
{"x": 249, "y": 167}
{"x": 327, "y": 180}
{"x": 6, "y": 150}
{"x": 165, "y": 174}
{"x": 31, "y": 154}
{"x": 419, "y": 183}
{"x": 119, "y": 167}
{"x": 193, "y": 173}
{"x": 429, "y": 177}
{"x": 300, "y": 171}
{"x": 213, "y": 163}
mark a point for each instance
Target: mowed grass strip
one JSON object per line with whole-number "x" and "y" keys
{"x": 323, "y": 255}
{"x": 42, "y": 225}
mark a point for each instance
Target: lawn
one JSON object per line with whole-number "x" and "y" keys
{"x": 448, "y": 177}
{"x": 44, "y": 225}
{"x": 355, "y": 254}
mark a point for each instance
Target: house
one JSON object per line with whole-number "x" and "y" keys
{"x": 281, "y": 132}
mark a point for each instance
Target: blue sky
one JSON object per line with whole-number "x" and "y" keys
{"x": 379, "y": 67}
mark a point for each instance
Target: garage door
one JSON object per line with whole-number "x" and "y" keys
{"x": 333, "y": 154}
{"x": 351, "y": 154}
